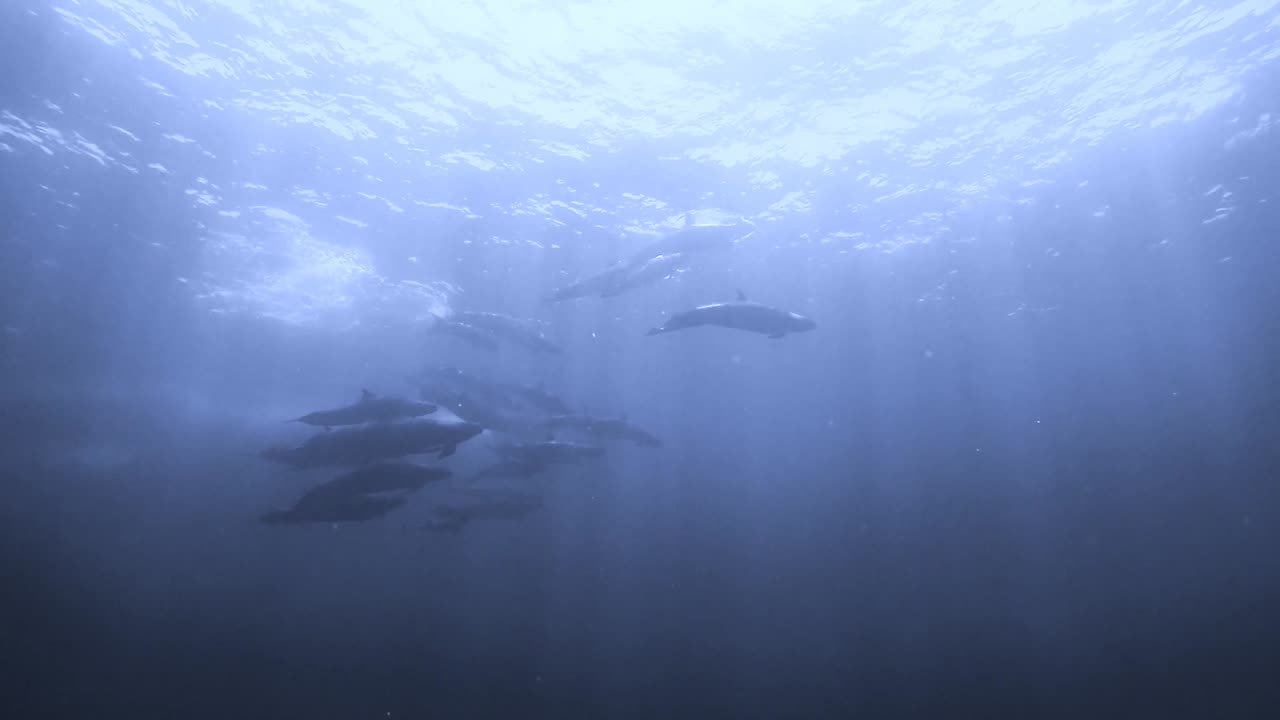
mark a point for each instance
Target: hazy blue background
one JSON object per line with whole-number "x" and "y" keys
{"x": 1027, "y": 462}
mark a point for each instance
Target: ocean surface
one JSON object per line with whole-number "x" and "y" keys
{"x": 672, "y": 359}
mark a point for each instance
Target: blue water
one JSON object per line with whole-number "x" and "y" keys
{"x": 1025, "y": 464}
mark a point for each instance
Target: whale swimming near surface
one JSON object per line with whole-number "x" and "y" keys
{"x": 597, "y": 284}
{"x": 449, "y": 381}
{"x": 384, "y": 477}
{"x": 516, "y": 331}
{"x": 694, "y": 238}
{"x": 489, "y": 331}
{"x": 478, "y": 337}
{"x": 741, "y": 314}
{"x": 365, "y": 444}
{"x": 646, "y": 273}
{"x": 659, "y": 259}
{"x": 359, "y": 495}
{"x": 369, "y": 408}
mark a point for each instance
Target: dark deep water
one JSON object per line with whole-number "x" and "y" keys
{"x": 1025, "y": 468}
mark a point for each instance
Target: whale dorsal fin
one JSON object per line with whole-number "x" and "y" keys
{"x": 366, "y": 396}
{"x": 742, "y": 297}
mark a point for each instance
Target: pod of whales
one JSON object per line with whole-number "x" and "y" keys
{"x": 369, "y": 438}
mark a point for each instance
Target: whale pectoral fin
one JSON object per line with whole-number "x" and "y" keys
{"x": 447, "y": 450}
{"x": 777, "y": 336}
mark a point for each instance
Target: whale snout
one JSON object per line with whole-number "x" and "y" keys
{"x": 802, "y": 323}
